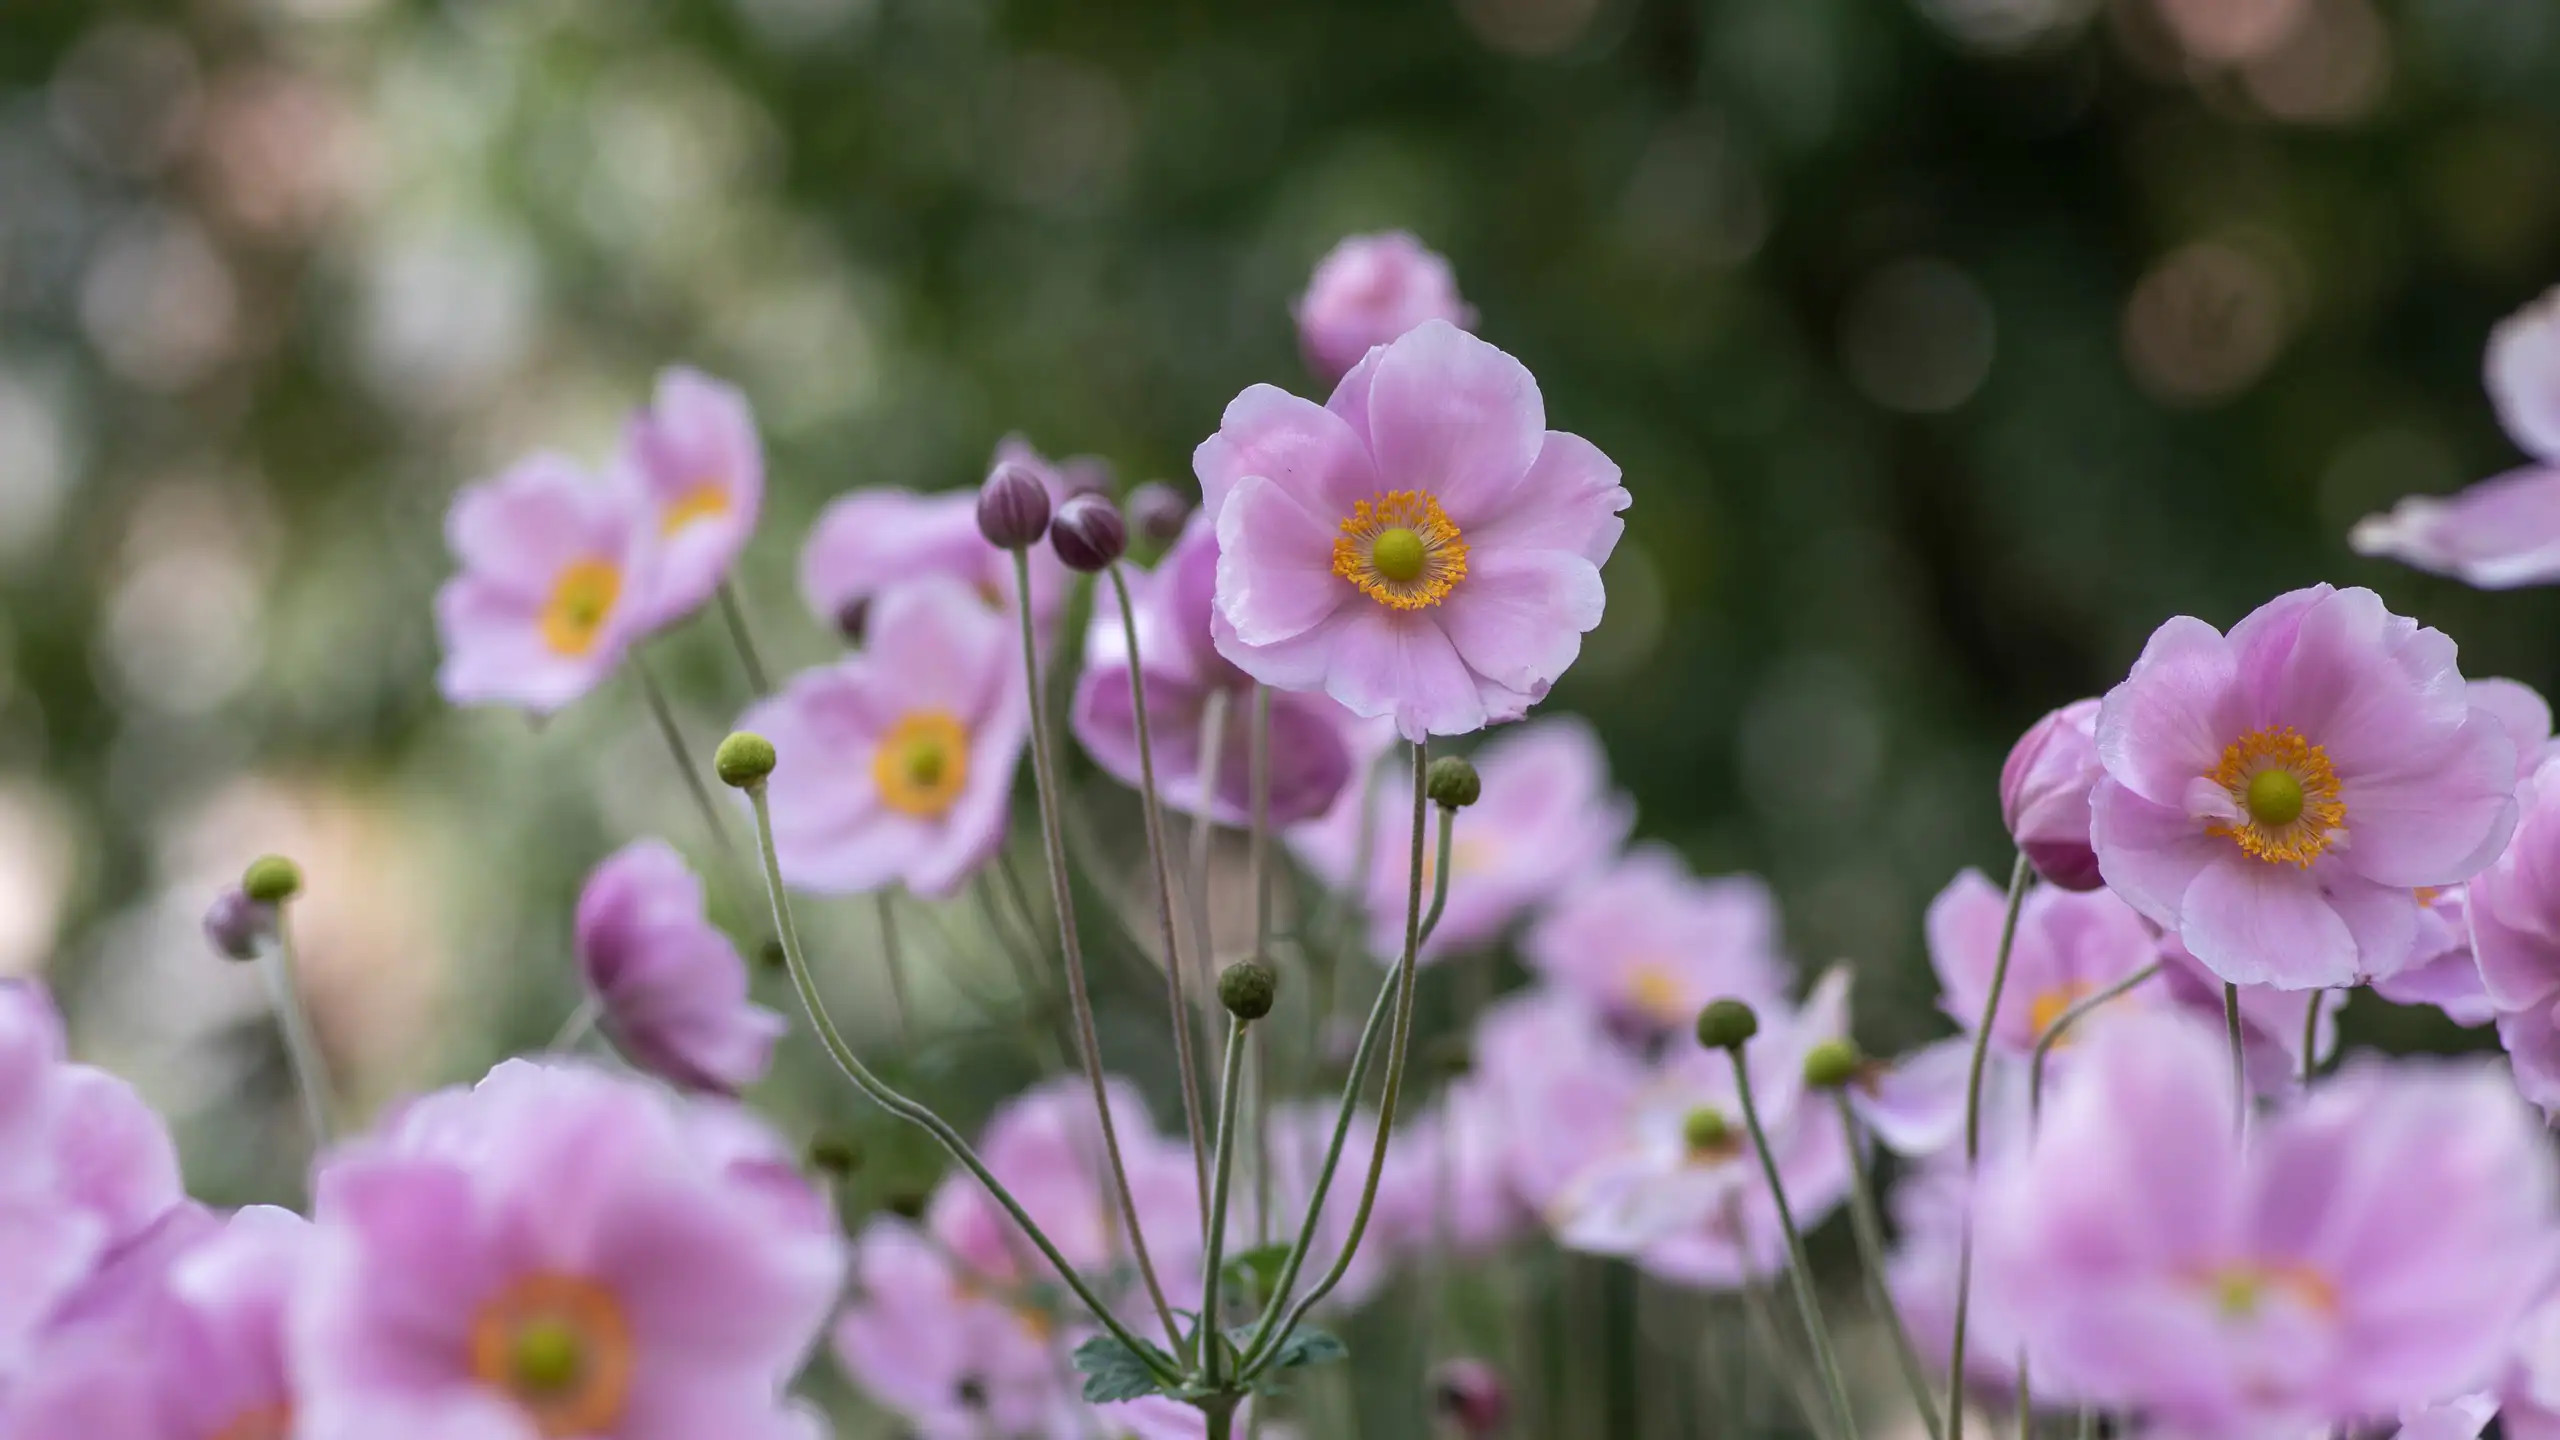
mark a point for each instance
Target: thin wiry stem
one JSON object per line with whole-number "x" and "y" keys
{"x": 575, "y": 1028}
{"x": 2239, "y": 1059}
{"x": 1159, "y": 853}
{"x": 2020, "y": 874}
{"x": 1799, "y": 1270}
{"x": 805, "y": 982}
{"x": 1230, "y": 1088}
{"x": 1440, "y": 874}
{"x": 1868, "y": 1229}
{"x": 686, "y": 764}
{"x": 894, "y": 958}
{"x": 1053, "y": 842}
{"x": 278, "y": 967}
{"x": 2062, "y": 1023}
{"x": 748, "y": 657}
{"x": 2311, "y": 1037}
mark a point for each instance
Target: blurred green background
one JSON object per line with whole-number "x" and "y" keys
{"x": 1948, "y": 346}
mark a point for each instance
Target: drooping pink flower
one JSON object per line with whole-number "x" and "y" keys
{"x": 2044, "y": 794}
{"x": 1420, "y": 545}
{"x": 2276, "y": 796}
{"x": 695, "y": 459}
{"x": 896, "y": 765}
{"x": 1311, "y": 756}
{"x": 557, "y": 573}
{"x": 872, "y": 541}
{"x": 1547, "y": 820}
{"x": 671, "y": 988}
{"x": 2368, "y": 1251}
{"x": 2068, "y": 947}
{"x": 2514, "y": 908}
{"x": 548, "y": 1255}
{"x": 1650, "y": 943}
{"x": 1367, "y": 291}
{"x": 2523, "y": 376}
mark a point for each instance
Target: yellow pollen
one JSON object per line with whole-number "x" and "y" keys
{"x": 1401, "y": 550}
{"x": 259, "y": 1422}
{"x": 707, "y": 500}
{"x": 1658, "y": 993}
{"x": 558, "y": 1347}
{"x": 2240, "y": 1290}
{"x": 581, "y": 601}
{"x": 922, "y": 763}
{"x": 2286, "y": 793}
{"x": 2049, "y": 1005}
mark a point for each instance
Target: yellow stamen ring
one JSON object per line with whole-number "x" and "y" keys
{"x": 922, "y": 764}
{"x": 707, "y": 500}
{"x": 2286, "y": 792}
{"x": 1400, "y": 548}
{"x": 582, "y": 599}
{"x": 559, "y": 1347}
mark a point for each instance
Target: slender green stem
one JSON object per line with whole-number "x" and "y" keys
{"x": 2020, "y": 875}
{"x": 2026, "y": 1402}
{"x": 681, "y": 754}
{"x": 894, "y": 958}
{"x": 1159, "y": 852}
{"x": 1760, "y": 1313}
{"x": 278, "y": 967}
{"x": 1045, "y": 776}
{"x": 1799, "y": 1270}
{"x": 748, "y": 657}
{"x": 1258, "y": 783}
{"x": 2061, "y": 1026}
{"x": 575, "y": 1028}
{"x": 2311, "y": 1037}
{"x": 1230, "y": 1088}
{"x": 880, "y": 1093}
{"x": 1869, "y": 1231}
{"x": 2239, "y": 1059}
{"x": 1440, "y": 875}
{"x": 1267, "y": 1338}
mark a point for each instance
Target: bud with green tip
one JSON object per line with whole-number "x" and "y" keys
{"x": 744, "y": 759}
{"x": 1452, "y": 783}
{"x": 271, "y": 880}
{"x": 1247, "y": 990}
{"x": 1706, "y": 1132}
{"x": 1727, "y": 1025}
{"x": 1831, "y": 1064}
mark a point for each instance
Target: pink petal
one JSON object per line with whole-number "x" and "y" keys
{"x": 942, "y": 650}
{"x": 1519, "y": 616}
{"x": 2169, "y": 720}
{"x": 2148, "y": 853}
{"x": 1569, "y": 500}
{"x": 1275, "y": 564}
{"x": 1452, "y": 415}
{"x": 2438, "y": 816}
{"x": 2522, "y": 370}
{"x": 1292, "y": 442}
{"x": 2499, "y": 534}
{"x": 1388, "y": 662}
{"x": 2255, "y": 923}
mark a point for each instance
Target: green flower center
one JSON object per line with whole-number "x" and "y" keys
{"x": 2275, "y": 797}
{"x": 1397, "y": 554}
{"x": 548, "y": 1357}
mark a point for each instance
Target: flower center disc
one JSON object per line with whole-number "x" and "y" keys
{"x": 707, "y": 500}
{"x": 559, "y": 1348}
{"x": 2286, "y": 792}
{"x": 2240, "y": 1291}
{"x": 922, "y": 764}
{"x": 1400, "y": 548}
{"x": 581, "y": 601}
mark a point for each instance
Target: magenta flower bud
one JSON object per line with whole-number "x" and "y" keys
{"x": 1013, "y": 508}
{"x": 1158, "y": 512}
{"x": 1470, "y": 1395}
{"x": 853, "y": 619}
{"x": 234, "y": 924}
{"x": 1088, "y": 533}
{"x": 2044, "y": 794}
{"x": 1368, "y": 291}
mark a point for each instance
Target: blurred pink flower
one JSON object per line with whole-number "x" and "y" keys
{"x": 2369, "y": 1250}
{"x": 2044, "y": 794}
{"x": 2448, "y": 975}
{"x": 2275, "y": 797}
{"x": 2514, "y": 908}
{"x": 2522, "y": 372}
{"x": 557, "y": 571}
{"x": 1650, "y": 943}
{"x": 1448, "y": 1178}
{"x": 2068, "y": 947}
{"x": 699, "y": 468}
{"x": 869, "y": 542}
{"x": 895, "y": 766}
{"x": 672, "y": 989}
{"x": 1311, "y": 756}
{"x": 1420, "y": 545}
{"x": 1368, "y": 290}
{"x": 1547, "y": 820}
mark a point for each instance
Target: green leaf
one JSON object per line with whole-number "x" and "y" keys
{"x": 1113, "y": 1371}
{"x": 1304, "y": 1346}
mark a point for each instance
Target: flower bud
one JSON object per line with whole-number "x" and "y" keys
{"x": 1469, "y": 1395}
{"x": 1727, "y": 1025}
{"x": 271, "y": 880}
{"x": 1088, "y": 533}
{"x": 1706, "y": 1132}
{"x": 1831, "y": 1064}
{"x": 1452, "y": 783}
{"x": 743, "y": 759}
{"x": 236, "y": 924}
{"x": 853, "y": 619}
{"x": 1247, "y": 990}
{"x": 1158, "y": 512}
{"x": 1368, "y": 291}
{"x": 1013, "y": 508}
{"x": 2044, "y": 795}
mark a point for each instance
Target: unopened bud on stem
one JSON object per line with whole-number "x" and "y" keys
{"x": 743, "y": 759}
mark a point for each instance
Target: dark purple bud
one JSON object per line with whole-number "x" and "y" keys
{"x": 854, "y": 620}
{"x": 235, "y": 924}
{"x": 1013, "y": 508}
{"x": 1158, "y": 511}
{"x": 1088, "y": 533}
{"x": 1470, "y": 1396}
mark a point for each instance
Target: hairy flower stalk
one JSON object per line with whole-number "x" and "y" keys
{"x": 2240, "y": 1058}
{"x": 682, "y": 754}
{"x": 880, "y": 1093}
{"x": 2061, "y": 1026}
{"x": 2021, "y": 874}
{"x": 894, "y": 961}
{"x": 749, "y": 658}
{"x": 1213, "y": 1345}
{"x": 1053, "y": 842}
{"x": 1868, "y": 1229}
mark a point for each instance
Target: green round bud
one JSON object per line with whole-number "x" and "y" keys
{"x": 745, "y": 758}
{"x": 837, "y": 1155}
{"x": 1831, "y": 1064}
{"x": 1247, "y": 990}
{"x": 1452, "y": 783}
{"x": 271, "y": 880}
{"x": 1706, "y": 1132}
{"x": 1727, "y": 1025}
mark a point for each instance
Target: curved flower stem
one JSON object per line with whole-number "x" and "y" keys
{"x": 1230, "y": 1088}
{"x": 1044, "y": 770}
{"x": 748, "y": 657}
{"x": 895, "y": 960}
{"x": 1799, "y": 1270}
{"x": 908, "y": 1110}
{"x": 1440, "y": 875}
{"x": 1159, "y": 851}
{"x": 2020, "y": 875}
{"x": 2062, "y": 1023}
{"x": 278, "y": 967}
{"x": 1268, "y": 1336}
{"x": 1869, "y": 1231}
{"x": 682, "y": 754}
{"x": 2311, "y": 1038}
{"x": 2239, "y": 1059}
